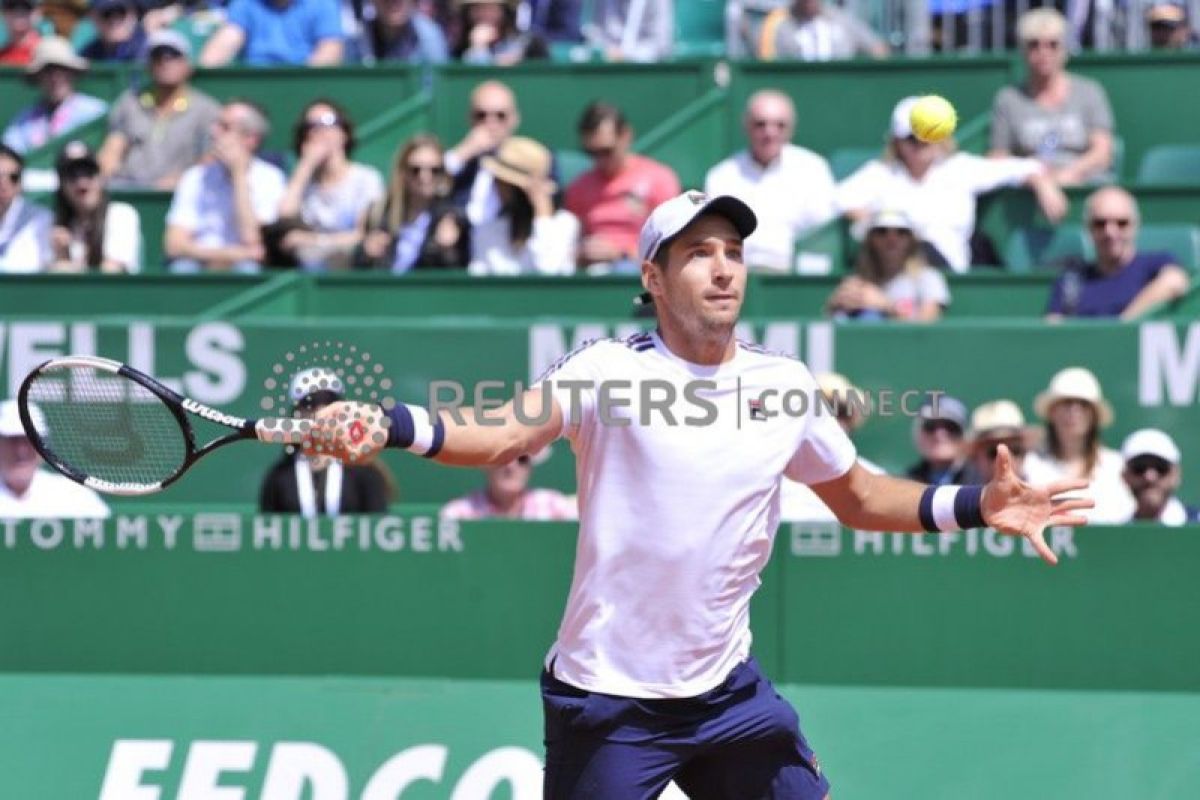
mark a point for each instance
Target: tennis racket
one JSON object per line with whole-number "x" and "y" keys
{"x": 117, "y": 430}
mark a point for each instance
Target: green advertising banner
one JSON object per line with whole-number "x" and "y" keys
{"x": 414, "y": 596}
{"x": 208, "y": 738}
{"x": 1150, "y": 372}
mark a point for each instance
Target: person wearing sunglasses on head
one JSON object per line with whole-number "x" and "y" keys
{"x": 119, "y": 32}
{"x": 21, "y": 18}
{"x": 1152, "y": 474}
{"x": 322, "y": 213}
{"x": 1063, "y": 120}
{"x": 938, "y": 433}
{"x": 506, "y": 495}
{"x": 24, "y": 226}
{"x": 1121, "y": 282}
{"x": 415, "y": 226}
{"x": 1075, "y": 412}
{"x": 999, "y": 422}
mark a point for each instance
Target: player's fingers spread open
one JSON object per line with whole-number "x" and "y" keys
{"x": 1068, "y": 485}
{"x": 1073, "y": 520}
{"x": 1043, "y": 550}
{"x": 1062, "y": 504}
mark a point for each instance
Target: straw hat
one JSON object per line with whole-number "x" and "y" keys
{"x": 1074, "y": 383}
{"x": 55, "y": 51}
{"x": 997, "y": 419}
{"x": 520, "y": 161}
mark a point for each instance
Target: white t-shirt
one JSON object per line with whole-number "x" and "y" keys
{"x": 1114, "y": 502}
{"x": 908, "y": 292}
{"x": 791, "y": 195}
{"x": 25, "y": 237}
{"x": 50, "y": 496}
{"x": 123, "y": 236}
{"x": 550, "y": 250}
{"x": 203, "y": 201}
{"x": 676, "y": 521}
{"x": 338, "y": 209}
{"x": 798, "y": 503}
{"x": 942, "y": 205}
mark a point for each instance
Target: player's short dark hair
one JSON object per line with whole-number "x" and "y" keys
{"x": 8, "y": 152}
{"x": 600, "y": 112}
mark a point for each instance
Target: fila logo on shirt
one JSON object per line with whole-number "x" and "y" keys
{"x": 757, "y": 412}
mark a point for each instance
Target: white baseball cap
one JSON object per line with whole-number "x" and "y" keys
{"x": 10, "y": 419}
{"x": 677, "y": 213}
{"x": 902, "y": 118}
{"x": 1150, "y": 442}
{"x": 313, "y": 380}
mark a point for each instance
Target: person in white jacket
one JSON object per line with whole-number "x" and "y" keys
{"x": 530, "y": 236}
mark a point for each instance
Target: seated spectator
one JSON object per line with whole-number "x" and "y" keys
{"x": 488, "y": 34}
{"x": 395, "y": 31}
{"x": 27, "y": 492}
{"x": 220, "y": 207}
{"x": 91, "y": 232}
{"x": 119, "y": 33}
{"x": 64, "y": 15}
{"x": 614, "y": 198}
{"x": 531, "y": 235}
{"x": 812, "y": 30}
{"x": 937, "y": 188}
{"x": 938, "y": 431}
{"x": 493, "y": 118}
{"x": 621, "y": 36}
{"x": 323, "y": 209}
{"x": 1169, "y": 27}
{"x": 275, "y": 32}
{"x": 416, "y": 226}
{"x": 999, "y": 422}
{"x": 318, "y": 486}
{"x": 1153, "y": 476}
{"x": 556, "y": 21}
{"x": 21, "y": 18}
{"x": 1075, "y": 411}
{"x": 1063, "y": 120}
{"x": 60, "y": 109}
{"x": 1121, "y": 282}
{"x": 154, "y": 134}
{"x": 766, "y": 176}
{"x": 849, "y": 405}
{"x": 24, "y": 226}
{"x": 891, "y": 278}
{"x": 506, "y": 495}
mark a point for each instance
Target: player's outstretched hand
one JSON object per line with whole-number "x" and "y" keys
{"x": 1014, "y": 507}
{"x": 353, "y": 433}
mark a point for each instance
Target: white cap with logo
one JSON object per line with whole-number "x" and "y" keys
{"x": 1150, "y": 442}
{"x": 677, "y": 213}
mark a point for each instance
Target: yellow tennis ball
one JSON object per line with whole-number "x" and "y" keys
{"x": 932, "y": 118}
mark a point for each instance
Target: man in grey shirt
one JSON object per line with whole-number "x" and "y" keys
{"x": 810, "y": 30}
{"x": 156, "y": 133}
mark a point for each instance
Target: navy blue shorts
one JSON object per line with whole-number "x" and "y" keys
{"x": 740, "y": 741}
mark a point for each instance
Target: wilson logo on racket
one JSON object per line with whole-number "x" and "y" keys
{"x": 211, "y": 414}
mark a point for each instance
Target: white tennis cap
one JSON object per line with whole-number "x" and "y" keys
{"x": 313, "y": 380}
{"x": 10, "y": 419}
{"x": 1150, "y": 442}
{"x": 902, "y": 118}
{"x": 677, "y": 213}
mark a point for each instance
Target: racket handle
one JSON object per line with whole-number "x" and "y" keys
{"x": 273, "y": 430}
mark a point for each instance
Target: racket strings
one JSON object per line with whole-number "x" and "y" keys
{"x": 107, "y": 426}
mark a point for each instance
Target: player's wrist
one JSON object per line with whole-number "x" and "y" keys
{"x": 951, "y": 508}
{"x": 412, "y": 428}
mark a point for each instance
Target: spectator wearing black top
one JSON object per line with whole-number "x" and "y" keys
{"x": 321, "y": 486}
{"x": 938, "y": 433}
{"x": 488, "y": 34}
{"x": 1121, "y": 282}
{"x": 119, "y": 33}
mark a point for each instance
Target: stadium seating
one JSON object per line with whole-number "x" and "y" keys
{"x": 1181, "y": 241}
{"x": 1028, "y": 248}
{"x": 1170, "y": 165}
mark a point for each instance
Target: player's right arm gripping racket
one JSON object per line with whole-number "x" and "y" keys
{"x": 110, "y": 427}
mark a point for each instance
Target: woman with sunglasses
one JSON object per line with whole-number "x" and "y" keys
{"x": 91, "y": 232}
{"x": 937, "y": 188}
{"x": 891, "y": 279}
{"x": 321, "y": 214}
{"x": 1075, "y": 410}
{"x": 1063, "y": 120}
{"x": 532, "y": 235}
{"x": 416, "y": 226}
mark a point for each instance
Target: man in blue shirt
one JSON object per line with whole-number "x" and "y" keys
{"x": 277, "y": 32}
{"x": 119, "y": 33}
{"x": 1121, "y": 282}
{"x": 394, "y": 30}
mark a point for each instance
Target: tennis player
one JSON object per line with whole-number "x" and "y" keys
{"x": 651, "y": 678}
